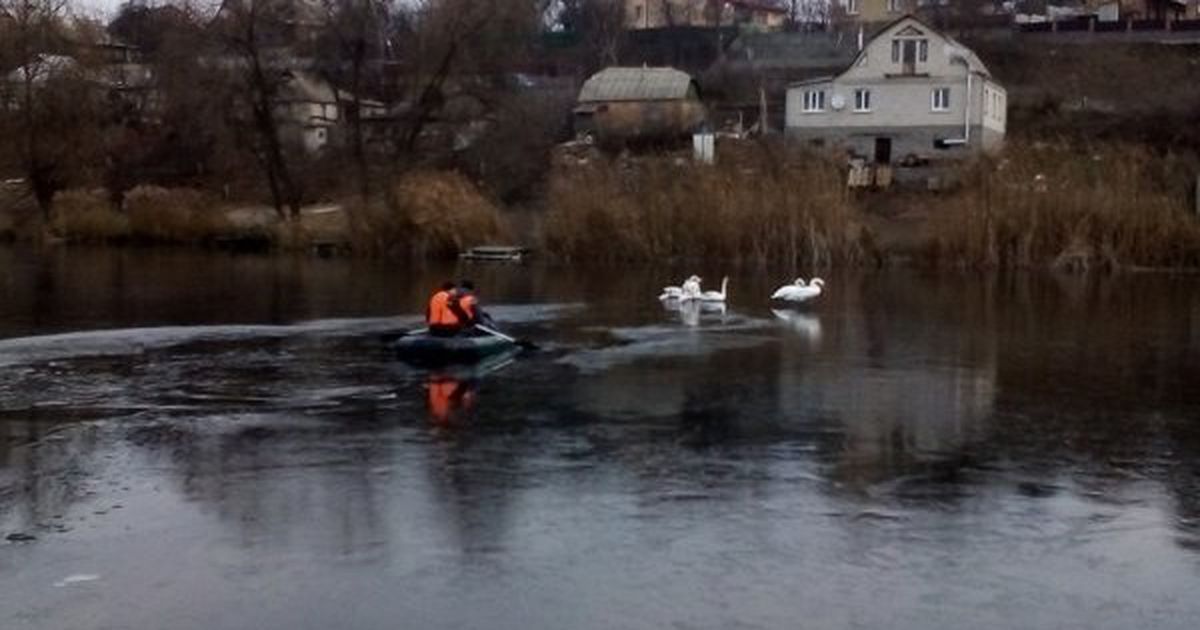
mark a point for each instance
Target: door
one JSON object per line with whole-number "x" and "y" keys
{"x": 909, "y": 56}
{"x": 883, "y": 150}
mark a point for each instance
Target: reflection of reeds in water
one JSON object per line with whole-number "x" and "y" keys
{"x": 777, "y": 205}
{"x": 1070, "y": 207}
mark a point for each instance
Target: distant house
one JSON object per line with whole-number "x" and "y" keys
{"x": 912, "y": 93}
{"x": 875, "y": 11}
{"x": 313, "y": 110}
{"x": 754, "y": 14}
{"x": 1159, "y": 9}
{"x": 623, "y": 104}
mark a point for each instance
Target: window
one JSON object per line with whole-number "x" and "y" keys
{"x": 852, "y": 7}
{"x": 862, "y": 100}
{"x": 894, "y": 6}
{"x": 908, "y": 52}
{"x": 940, "y": 99}
{"x": 814, "y": 100}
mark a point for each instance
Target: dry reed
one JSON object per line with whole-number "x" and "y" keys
{"x": 180, "y": 215}
{"x": 1070, "y": 207}
{"x": 427, "y": 214}
{"x": 87, "y": 216}
{"x": 761, "y": 203}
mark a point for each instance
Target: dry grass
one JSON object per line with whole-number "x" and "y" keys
{"x": 762, "y": 203}
{"x": 427, "y": 214}
{"x": 87, "y": 216}
{"x": 1071, "y": 207}
{"x": 179, "y": 215}
{"x": 152, "y": 215}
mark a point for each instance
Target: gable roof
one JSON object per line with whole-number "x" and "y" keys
{"x": 973, "y": 61}
{"x": 636, "y": 84}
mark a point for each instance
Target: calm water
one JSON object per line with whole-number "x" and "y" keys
{"x": 202, "y": 441}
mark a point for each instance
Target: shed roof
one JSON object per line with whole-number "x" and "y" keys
{"x": 635, "y": 84}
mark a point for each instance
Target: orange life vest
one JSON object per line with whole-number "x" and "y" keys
{"x": 440, "y": 313}
{"x": 467, "y": 303}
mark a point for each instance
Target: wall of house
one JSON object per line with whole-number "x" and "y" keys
{"x": 639, "y": 120}
{"x": 874, "y": 11}
{"x": 641, "y": 14}
{"x": 902, "y": 104}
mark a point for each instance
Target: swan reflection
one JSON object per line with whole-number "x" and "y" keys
{"x": 692, "y": 311}
{"x": 806, "y": 325}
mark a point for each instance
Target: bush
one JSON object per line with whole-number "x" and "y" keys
{"x": 427, "y": 214}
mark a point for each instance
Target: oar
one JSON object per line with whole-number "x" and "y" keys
{"x": 524, "y": 343}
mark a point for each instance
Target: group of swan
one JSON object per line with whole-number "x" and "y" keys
{"x": 690, "y": 290}
{"x": 797, "y": 291}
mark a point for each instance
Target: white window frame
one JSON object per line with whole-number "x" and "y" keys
{"x": 893, "y": 6}
{"x": 814, "y": 101}
{"x": 862, "y": 100}
{"x": 922, "y": 50}
{"x": 851, "y": 7}
{"x": 939, "y": 99}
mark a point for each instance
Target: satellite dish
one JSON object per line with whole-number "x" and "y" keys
{"x": 837, "y": 101}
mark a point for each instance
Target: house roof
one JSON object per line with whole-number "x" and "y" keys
{"x": 973, "y": 61}
{"x": 636, "y": 84}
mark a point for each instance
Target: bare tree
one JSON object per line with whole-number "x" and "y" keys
{"x": 252, "y": 31}
{"x": 598, "y": 25}
{"x": 44, "y": 94}
{"x": 471, "y": 43}
{"x": 352, "y": 45}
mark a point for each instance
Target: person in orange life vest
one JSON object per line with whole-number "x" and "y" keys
{"x": 442, "y": 317}
{"x": 466, "y": 306}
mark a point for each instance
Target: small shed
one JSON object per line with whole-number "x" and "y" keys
{"x": 629, "y": 104}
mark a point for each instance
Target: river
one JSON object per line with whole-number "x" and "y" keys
{"x": 209, "y": 441}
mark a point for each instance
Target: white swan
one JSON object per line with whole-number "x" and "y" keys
{"x": 691, "y": 312}
{"x": 717, "y": 296}
{"x": 689, "y": 290}
{"x": 798, "y": 291}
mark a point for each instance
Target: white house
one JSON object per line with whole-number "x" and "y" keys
{"x": 911, "y": 94}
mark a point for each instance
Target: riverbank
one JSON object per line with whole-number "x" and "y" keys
{"x": 1037, "y": 204}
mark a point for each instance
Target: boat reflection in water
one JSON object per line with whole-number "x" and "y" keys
{"x": 452, "y": 390}
{"x": 690, "y": 311}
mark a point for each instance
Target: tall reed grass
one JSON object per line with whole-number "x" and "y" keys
{"x": 426, "y": 214}
{"x": 758, "y": 204}
{"x": 1070, "y": 206}
{"x": 178, "y": 215}
{"x": 151, "y": 215}
{"x": 87, "y": 216}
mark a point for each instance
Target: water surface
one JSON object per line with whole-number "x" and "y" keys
{"x": 211, "y": 441}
